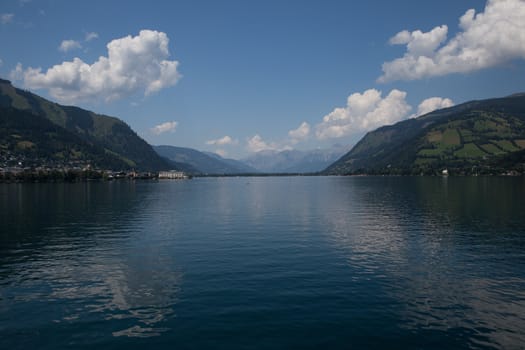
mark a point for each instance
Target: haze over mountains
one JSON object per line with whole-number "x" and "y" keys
{"x": 295, "y": 161}
{"x": 204, "y": 163}
{"x": 289, "y": 161}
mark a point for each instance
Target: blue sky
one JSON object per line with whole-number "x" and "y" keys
{"x": 236, "y": 77}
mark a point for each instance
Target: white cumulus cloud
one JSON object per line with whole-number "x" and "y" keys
{"x": 301, "y": 133}
{"x": 486, "y": 39}
{"x": 433, "y": 103}
{"x": 68, "y": 45}
{"x": 6, "y": 18}
{"x": 364, "y": 112}
{"x": 133, "y": 64}
{"x": 226, "y": 140}
{"x": 164, "y": 127}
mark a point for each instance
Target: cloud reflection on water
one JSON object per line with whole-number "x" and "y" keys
{"x": 434, "y": 244}
{"x": 93, "y": 256}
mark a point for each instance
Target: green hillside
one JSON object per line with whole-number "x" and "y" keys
{"x": 485, "y": 136}
{"x": 34, "y": 140}
{"x": 39, "y": 129}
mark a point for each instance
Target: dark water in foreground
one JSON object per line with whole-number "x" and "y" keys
{"x": 264, "y": 263}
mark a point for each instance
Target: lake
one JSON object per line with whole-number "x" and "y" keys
{"x": 264, "y": 263}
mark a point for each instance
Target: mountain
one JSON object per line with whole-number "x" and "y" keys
{"x": 241, "y": 167}
{"x": 294, "y": 161}
{"x": 204, "y": 163}
{"x": 39, "y": 130}
{"x": 474, "y": 137}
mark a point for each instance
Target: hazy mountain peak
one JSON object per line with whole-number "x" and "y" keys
{"x": 294, "y": 161}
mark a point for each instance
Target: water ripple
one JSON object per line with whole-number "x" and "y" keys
{"x": 265, "y": 262}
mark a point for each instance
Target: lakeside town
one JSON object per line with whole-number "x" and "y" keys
{"x": 74, "y": 174}
{"x": 23, "y": 169}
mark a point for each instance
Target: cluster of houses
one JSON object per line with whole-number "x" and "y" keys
{"x": 171, "y": 174}
{"x": 20, "y": 167}
{"x": 32, "y": 174}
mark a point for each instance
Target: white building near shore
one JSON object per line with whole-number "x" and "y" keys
{"x": 172, "y": 174}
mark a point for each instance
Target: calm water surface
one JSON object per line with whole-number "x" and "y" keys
{"x": 264, "y": 263}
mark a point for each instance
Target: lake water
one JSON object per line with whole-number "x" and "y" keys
{"x": 264, "y": 263}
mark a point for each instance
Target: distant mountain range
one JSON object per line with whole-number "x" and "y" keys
{"x": 294, "y": 161}
{"x": 41, "y": 132}
{"x": 262, "y": 162}
{"x": 203, "y": 163}
{"x": 477, "y": 137}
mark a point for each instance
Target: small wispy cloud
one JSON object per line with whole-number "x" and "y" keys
{"x": 91, "y": 36}
{"x": 257, "y": 144}
{"x": 6, "y": 18}
{"x": 226, "y": 140}
{"x": 164, "y": 127}
{"x": 221, "y": 152}
{"x": 17, "y": 73}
